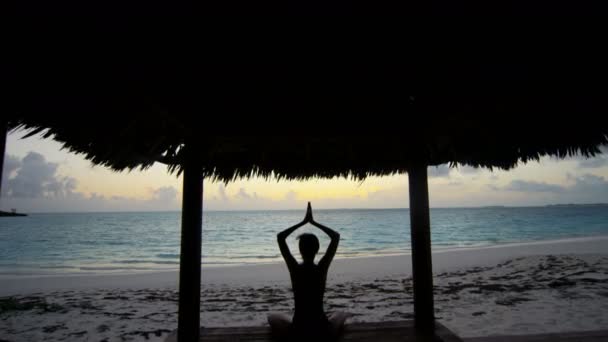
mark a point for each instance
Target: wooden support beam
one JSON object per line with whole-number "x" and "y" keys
{"x": 188, "y": 324}
{"x": 422, "y": 266}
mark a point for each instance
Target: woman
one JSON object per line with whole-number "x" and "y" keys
{"x": 308, "y": 282}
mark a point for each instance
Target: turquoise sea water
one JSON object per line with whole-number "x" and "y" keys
{"x": 130, "y": 242}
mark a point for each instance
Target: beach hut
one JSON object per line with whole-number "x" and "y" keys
{"x": 225, "y": 147}
{"x": 131, "y": 109}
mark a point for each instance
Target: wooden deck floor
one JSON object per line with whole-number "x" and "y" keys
{"x": 581, "y": 336}
{"x": 397, "y": 331}
{"x": 362, "y": 332}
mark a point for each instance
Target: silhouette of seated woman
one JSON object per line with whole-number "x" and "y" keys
{"x": 308, "y": 282}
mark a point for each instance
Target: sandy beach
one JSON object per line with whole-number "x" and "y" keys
{"x": 552, "y": 286}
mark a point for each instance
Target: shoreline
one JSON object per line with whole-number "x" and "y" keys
{"x": 350, "y": 268}
{"x": 519, "y": 289}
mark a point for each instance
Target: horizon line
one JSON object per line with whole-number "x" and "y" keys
{"x": 318, "y": 209}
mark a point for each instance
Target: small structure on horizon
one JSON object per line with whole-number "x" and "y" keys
{"x": 13, "y": 212}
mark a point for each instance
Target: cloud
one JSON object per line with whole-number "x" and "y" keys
{"x": 589, "y": 183}
{"x": 442, "y": 170}
{"x": 222, "y": 192}
{"x": 593, "y": 163}
{"x": 242, "y": 194}
{"x": 34, "y": 177}
{"x": 493, "y": 187}
{"x": 291, "y": 195}
{"x": 32, "y": 184}
{"x": 587, "y": 188}
{"x": 531, "y": 186}
{"x": 469, "y": 170}
{"x": 61, "y": 188}
{"x": 11, "y": 164}
{"x": 587, "y": 179}
{"x": 164, "y": 198}
{"x": 397, "y": 196}
{"x": 600, "y": 160}
{"x": 165, "y": 194}
{"x": 95, "y": 197}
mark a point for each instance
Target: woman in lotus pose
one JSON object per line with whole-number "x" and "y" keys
{"x": 308, "y": 283}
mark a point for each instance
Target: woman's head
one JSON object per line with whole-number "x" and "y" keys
{"x": 309, "y": 246}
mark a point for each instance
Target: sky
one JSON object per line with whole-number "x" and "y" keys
{"x": 40, "y": 177}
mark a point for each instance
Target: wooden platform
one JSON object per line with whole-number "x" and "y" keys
{"x": 376, "y": 332}
{"x": 397, "y": 331}
{"x": 581, "y": 336}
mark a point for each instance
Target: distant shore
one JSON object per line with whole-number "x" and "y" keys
{"x": 578, "y": 205}
{"x": 10, "y": 214}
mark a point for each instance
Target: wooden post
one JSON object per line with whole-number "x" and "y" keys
{"x": 3, "y": 132}
{"x": 188, "y": 322}
{"x": 422, "y": 267}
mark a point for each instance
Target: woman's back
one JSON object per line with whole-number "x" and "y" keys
{"x": 308, "y": 283}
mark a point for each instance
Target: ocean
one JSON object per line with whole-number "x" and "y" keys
{"x": 149, "y": 241}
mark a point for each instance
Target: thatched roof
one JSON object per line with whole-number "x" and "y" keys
{"x": 138, "y": 142}
{"x": 125, "y": 106}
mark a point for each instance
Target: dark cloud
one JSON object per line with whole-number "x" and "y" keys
{"x": 34, "y": 177}
{"x": 587, "y": 188}
{"x": 469, "y": 170}
{"x": 599, "y": 160}
{"x": 593, "y": 163}
{"x": 11, "y": 163}
{"x": 439, "y": 171}
{"x": 590, "y": 184}
{"x": 62, "y": 188}
{"x": 531, "y": 186}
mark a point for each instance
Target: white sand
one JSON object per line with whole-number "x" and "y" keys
{"x": 512, "y": 289}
